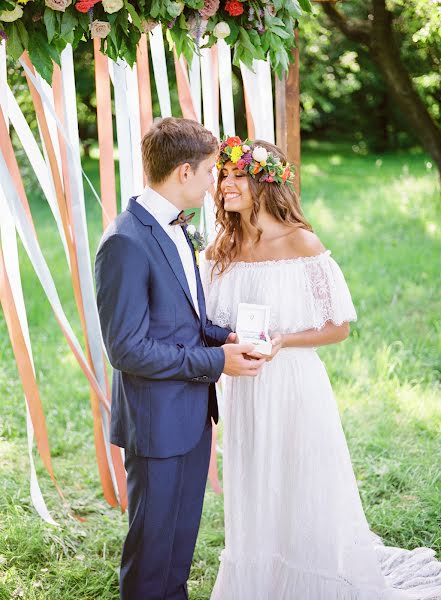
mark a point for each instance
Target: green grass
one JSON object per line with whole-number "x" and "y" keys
{"x": 380, "y": 216}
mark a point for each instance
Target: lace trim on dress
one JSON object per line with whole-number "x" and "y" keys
{"x": 327, "y": 294}
{"x": 264, "y": 263}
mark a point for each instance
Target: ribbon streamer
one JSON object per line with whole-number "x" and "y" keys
{"x": 144, "y": 90}
{"x": 210, "y": 91}
{"x": 32, "y": 248}
{"x": 105, "y": 134}
{"x": 184, "y": 91}
{"x": 27, "y": 236}
{"x": 79, "y": 228}
{"x": 160, "y": 70}
{"x": 35, "y": 421}
{"x": 195, "y": 85}
{"x": 123, "y": 131}
{"x": 12, "y": 301}
{"x": 36, "y": 160}
{"x": 226, "y": 88}
{"x": 259, "y": 98}
{"x": 135, "y": 129}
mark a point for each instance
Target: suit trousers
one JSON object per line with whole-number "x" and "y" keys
{"x": 165, "y": 505}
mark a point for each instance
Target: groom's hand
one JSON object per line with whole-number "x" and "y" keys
{"x": 232, "y": 338}
{"x": 236, "y": 363}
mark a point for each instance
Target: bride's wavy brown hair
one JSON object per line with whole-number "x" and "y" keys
{"x": 280, "y": 201}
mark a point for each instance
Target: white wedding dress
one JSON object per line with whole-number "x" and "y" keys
{"x": 294, "y": 524}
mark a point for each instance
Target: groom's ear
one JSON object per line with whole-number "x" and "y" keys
{"x": 183, "y": 172}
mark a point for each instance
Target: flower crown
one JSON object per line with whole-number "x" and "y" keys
{"x": 259, "y": 163}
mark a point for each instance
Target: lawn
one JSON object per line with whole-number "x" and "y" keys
{"x": 380, "y": 216}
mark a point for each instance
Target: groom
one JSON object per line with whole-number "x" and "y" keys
{"x": 166, "y": 357}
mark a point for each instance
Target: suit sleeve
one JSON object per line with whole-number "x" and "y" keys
{"x": 215, "y": 335}
{"x": 122, "y": 278}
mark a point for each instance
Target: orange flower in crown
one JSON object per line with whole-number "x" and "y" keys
{"x": 254, "y": 160}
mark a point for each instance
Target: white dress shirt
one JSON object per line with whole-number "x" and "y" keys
{"x": 164, "y": 212}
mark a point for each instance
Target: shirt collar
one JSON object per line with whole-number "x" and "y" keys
{"x": 161, "y": 208}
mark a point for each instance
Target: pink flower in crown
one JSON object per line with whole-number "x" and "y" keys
{"x": 209, "y": 9}
{"x": 241, "y": 164}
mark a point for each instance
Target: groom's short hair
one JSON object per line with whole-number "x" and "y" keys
{"x": 171, "y": 142}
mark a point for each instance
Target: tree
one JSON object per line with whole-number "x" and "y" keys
{"x": 376, "y": 25}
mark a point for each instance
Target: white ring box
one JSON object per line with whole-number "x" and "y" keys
{"x": 252, "y": 326}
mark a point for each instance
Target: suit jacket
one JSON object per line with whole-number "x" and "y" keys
{"x": 165, "y": 357}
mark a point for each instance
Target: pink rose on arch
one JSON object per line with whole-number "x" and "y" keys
{"x": 60, "y": 5}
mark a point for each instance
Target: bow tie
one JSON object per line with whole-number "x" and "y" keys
{"x": 182, "y": 219}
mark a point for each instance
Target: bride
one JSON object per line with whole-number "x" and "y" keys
{"x": 294, "y": 524}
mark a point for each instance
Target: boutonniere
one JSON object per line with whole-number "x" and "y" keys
{"x": 198, "y": 241}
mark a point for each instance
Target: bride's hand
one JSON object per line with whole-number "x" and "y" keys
{"x": 277, "y": 344}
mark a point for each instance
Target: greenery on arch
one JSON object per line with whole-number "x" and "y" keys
{"x": 255, "y": 29}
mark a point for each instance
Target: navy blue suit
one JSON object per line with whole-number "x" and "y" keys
{"x": 166, "y": 360}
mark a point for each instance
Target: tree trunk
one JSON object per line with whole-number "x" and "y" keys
{"x": 386, "y": 55}
{"x": 379, "y": 38}
{"x": 383, "y": 123}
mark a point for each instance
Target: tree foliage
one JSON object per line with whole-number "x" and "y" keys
{"x": 403, "y": 43}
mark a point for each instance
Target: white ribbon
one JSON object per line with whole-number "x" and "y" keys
{"x": 226, "y": 88}
{"x": 258, "y": 86}
{"x": 195, "y": 85}
{"x": 135, "y": 129}
{"x": 118, "y": 76}
{"x": 209, "y": 98}
{"x": 211, "y": 122}
{"x": 160, "y": 70}
{"x": 50, "y": 114}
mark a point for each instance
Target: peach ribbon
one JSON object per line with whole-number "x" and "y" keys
{"x": 105, "y": 134}
{"x": 250, "y": 121}
{"x": 183, "y": 84}
{"x": 144, "y": 88}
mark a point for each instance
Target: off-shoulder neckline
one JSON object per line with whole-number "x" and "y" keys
{"x": 261, "y": 263}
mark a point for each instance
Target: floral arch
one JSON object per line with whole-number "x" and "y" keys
{"x": 206, "y": 37}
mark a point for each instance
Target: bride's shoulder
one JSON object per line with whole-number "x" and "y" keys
{"x": 304, "y": 243}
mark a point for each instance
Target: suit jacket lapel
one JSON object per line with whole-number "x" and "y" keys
{"x": 200, "y": 289}
{"x": 167, "y": 245}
